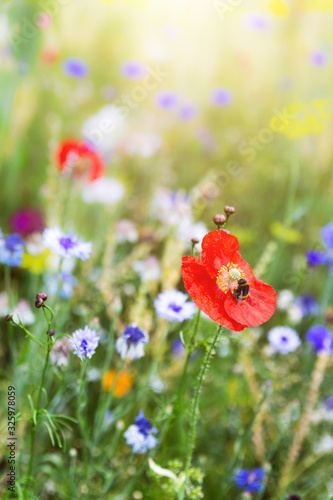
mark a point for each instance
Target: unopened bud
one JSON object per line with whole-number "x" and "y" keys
{"x": 8, "y": 317}
{"x": 51, "y": 333}
{"x": 219, "y": 219}
{"x": 38, "y": 303}
{"x": 41, "y": 295}
{"x": 195, "y": 241}
{"x": 229, "y": 210}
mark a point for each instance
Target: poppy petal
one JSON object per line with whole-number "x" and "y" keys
{"x": 257, "y": 308}
{"x": 218, "y": 248}
{"x": 205, "y": 293}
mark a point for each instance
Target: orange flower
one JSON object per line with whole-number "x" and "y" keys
{"x": 123, "y": 384}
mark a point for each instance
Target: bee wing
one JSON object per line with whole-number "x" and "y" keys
{"x": 240, "y": 297}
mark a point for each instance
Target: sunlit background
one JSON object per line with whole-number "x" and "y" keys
{"x": 188, "y": 105}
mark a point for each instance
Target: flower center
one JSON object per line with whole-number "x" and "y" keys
{"x": 228, "y": 276}
{"x": 175, "y": 308}
{"x": 83, "y": 347}
{"x": 67, "y": 242}
{"x": 144, "y": 426}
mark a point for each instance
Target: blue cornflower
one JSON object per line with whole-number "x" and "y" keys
{"x": 84, "y": 342}
{"x": 172, "y": 305}
{"x": 11, "y": 250}
{"x": 133, "y": 69}
{"x": 222, "y": 96}
{"x": 75, "y": 67}
{"x": 140, "y": 435}
{"x": 284, "y": 339}
{"x": 307, "y": 304}
{"x": 66, "y": 245}
{"x": 132, "y": 342}
{"x": 166, "y": 99}
{"x": 250, "y": 479}
{"x": 320, "y": 337}
{"x": 323, "y": 257}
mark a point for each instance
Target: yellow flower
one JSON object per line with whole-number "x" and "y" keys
{"x": 301, "y": 119}
{"x": 278, "y": 7}
{"x": 123, "y": 384}
{"x": 285, "y": 233}
{"x": 36, "y": 264}
{"x": 324, "y": 5}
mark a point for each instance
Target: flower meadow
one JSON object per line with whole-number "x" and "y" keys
{"x": 166, "y": 250}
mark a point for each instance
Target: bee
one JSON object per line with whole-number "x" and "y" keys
{"x": 242, "y": 291}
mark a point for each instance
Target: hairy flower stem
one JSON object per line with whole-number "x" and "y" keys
{"x": 304, "y": 421}
{"x": 195, "y": 408}
{"x": 35, "y": 418}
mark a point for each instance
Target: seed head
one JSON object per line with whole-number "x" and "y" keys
{"x": 195, "y": 241}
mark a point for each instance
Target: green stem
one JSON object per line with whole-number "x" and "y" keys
{"x": 195, "y": 408}
{"x": 34, "y": 422}
{"x": 81, "y": 404}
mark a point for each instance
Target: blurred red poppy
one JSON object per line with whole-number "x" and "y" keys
{"x": 76, "y": 158}
{"x": 213, "y": 283}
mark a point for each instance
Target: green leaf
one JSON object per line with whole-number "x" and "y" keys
{"x": 181, "y": 335}
{"x": 50, "y": 432}
{"x": 58, "y": 438}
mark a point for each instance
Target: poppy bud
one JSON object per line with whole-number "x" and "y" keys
{"x": 219, "y": 219}
{"x": 195, "y": 241}
{"x": 229, "y": 210}
{"x": 41, "y": 295}
{"x": 39, "y": 302}
{"x": 51, "y": 333}
{"x": 8, "y": 317}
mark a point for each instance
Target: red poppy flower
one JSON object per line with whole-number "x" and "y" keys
{"x": 212, "y": 282}
{"x": 78, "y": 159}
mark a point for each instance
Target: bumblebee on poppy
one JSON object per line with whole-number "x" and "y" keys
{"x": 242, "y": 290}
{"x": 223, "y": 285}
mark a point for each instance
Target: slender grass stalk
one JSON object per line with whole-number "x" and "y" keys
{"x": 195, "y": 408}
{"x": 188, "y": 355}
{"x": 107, "y": 403}
{"x": 304, "y": 421}
{"x": 35, "y": 420}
